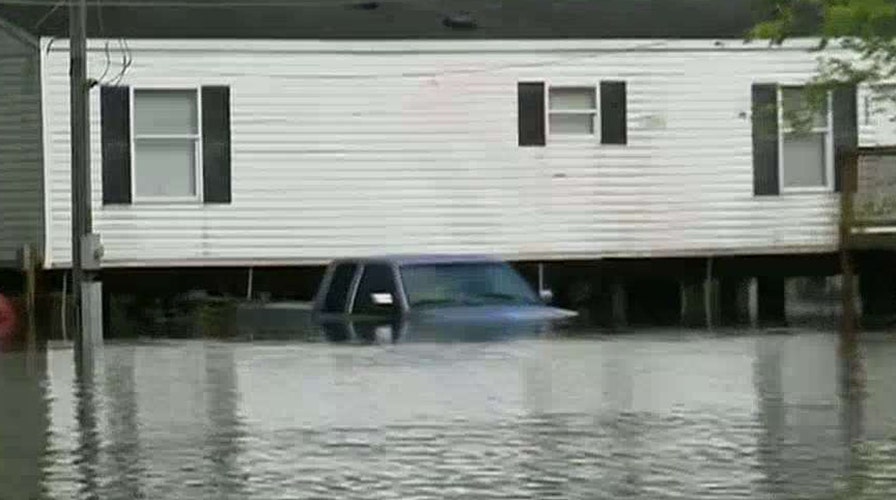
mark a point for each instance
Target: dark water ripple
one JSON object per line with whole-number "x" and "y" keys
{"x": 645, "y": 417}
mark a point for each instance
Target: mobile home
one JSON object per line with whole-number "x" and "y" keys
{"x": 537, "y": 131}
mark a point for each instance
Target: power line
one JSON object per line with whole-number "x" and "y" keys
{"x": 99, "y": 15}
{"x": 126, "y": 59}
{"x": 48, "y": 14}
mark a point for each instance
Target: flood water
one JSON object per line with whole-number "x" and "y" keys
{"x": 654, "y": 415}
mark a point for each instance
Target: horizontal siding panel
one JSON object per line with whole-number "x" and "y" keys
{"x": 21, "y": 168}
{"x": 337, "y": 154}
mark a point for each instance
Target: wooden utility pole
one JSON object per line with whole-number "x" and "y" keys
{"x": 83, "y": 305}
{"x": 848, "y": 331}
{"x": 29, "y": 262}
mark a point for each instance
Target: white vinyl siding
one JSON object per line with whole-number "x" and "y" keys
{"x": 21, "y": 149}
{"x": 877, "y": 114}
{"x": 166, "y": 144}
{"x": 344, "y": 149}
{"x": 806, "y": 142}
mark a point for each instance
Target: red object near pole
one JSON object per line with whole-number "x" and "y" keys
{"x": 8, "y": 320}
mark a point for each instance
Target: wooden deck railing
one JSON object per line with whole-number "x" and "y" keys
{"x": 868, "y": 199}
{"x": 867, "y": 221}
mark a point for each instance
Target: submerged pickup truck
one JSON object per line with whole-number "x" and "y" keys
{"x": 405, "y": 298}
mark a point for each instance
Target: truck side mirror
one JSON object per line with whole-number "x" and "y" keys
{"x": 382, "y": 299}
{"x": 546, "y": 295}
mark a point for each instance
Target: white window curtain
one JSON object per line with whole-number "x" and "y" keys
{"x": 805, "y": 141}
{"x": 804, "y": 159}
{"x": 571, "y": 110}
{"x": 166, "y": 137}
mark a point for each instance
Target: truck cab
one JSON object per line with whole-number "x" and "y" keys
{"x": 421, "y": 293}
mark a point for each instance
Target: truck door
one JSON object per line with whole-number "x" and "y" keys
{"x": 376, "y": 308}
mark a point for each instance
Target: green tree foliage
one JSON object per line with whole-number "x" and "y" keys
{"x": 855, "y": 40}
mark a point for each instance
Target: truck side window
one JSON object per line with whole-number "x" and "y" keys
{"x": 377, "y": 278}
{"x": 337, "y": 293}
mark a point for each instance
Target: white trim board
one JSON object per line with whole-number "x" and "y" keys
{"x": 428, "y": 46}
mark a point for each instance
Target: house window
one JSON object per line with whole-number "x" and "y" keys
{"x": 806, "y": 141}
{"x": 166, "y": 144}
{"x": 571, "y": 110}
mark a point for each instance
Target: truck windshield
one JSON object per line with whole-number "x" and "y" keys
{"x": 468, "y": 283}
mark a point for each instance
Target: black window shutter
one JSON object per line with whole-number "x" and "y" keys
{"x": 765, "y": 139}
{"x": 216, "y": 144}
{"x": 613, "y": 120}
{"x": 530, "y": 114}
{"x": 846, "y": 129}
{"x": 115, "y": 114}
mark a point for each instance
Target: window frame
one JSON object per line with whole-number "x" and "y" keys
{"x": 327, "y": 286}
{"x": 783, "y": 130}
{"x": 594, "y": 112}
{"x": 196, "y": 138}
{"x": 397, "y": 302}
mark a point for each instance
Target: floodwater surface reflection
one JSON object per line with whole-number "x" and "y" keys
{"x": 652, "y": 416}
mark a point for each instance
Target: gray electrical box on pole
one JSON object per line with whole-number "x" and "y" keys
{"x": 91, "y": 252}
{"x": 87, "y": 289}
